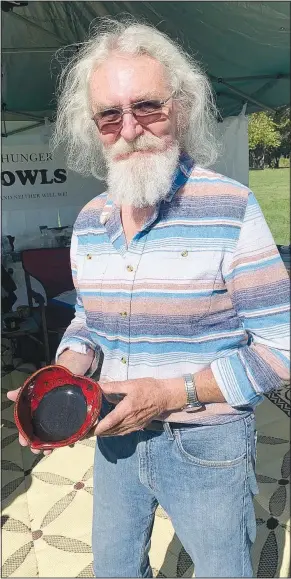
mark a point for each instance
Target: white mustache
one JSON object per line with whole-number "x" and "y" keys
{"x": 142, "y": 143}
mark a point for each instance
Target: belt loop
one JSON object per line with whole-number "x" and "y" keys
{"x": 168, "y": 430}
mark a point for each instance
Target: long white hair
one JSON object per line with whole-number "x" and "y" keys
{"x": 74, "y": 128}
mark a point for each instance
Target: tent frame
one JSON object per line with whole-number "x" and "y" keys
{"x": 34, "y": 25}
{"x": 236, "y": 92}
{"x": 231, "y": 91}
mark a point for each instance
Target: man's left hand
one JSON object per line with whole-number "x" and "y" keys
{"x": 142, "y": 400}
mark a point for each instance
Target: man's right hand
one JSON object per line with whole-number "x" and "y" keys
{"x": 75, "y": 363}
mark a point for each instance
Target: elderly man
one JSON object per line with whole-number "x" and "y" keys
{"x": 180, "y": 285}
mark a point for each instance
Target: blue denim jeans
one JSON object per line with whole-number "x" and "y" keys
{"x": 203, "y": 477}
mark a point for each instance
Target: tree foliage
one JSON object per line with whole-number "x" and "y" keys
{"x": 283, "y": 122}
{"x": 269, "y": 137}
{"x": 263, "y": 131}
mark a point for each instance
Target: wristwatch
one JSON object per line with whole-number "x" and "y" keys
{"x": 192, "y": 400}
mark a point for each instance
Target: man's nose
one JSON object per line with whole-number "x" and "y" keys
{"x": 130, "y": 127}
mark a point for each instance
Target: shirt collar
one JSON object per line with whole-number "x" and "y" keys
{"x": 182, "y": 173}
{"x": 106, "y": 211}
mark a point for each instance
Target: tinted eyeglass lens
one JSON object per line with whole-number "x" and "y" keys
{"x": 146, "y": 108}
{"x": 109, "y": 126}
{"x": 110, "y": 116}
{"x": 111, "y": 119}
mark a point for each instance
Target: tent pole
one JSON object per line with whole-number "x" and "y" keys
{"x": 230, "y": 95}
{"x": 15, "y": 131}
{"x": 5, "y": 130}
{"x": 256, "y": 77}
{"x": 266, "y": 86}
{"x": 242, "y": 94}
{"x": 20, "y": 114}
{"x": 60, "y": 40}
{"x": 26, "y": 50}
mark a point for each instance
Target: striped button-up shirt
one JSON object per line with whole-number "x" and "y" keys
{"x": 201, "y": 284}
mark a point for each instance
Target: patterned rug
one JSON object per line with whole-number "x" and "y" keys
{"x": 47, "y": 503}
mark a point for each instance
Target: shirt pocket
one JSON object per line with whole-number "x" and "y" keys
{"x": 183, "y": 284}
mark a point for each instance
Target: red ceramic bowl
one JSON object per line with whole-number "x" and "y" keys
{"x": 56, "y": 408}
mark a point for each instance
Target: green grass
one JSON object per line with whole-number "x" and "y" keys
{"x": 272, "y": 190}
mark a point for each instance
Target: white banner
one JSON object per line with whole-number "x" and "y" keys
{"x": 33, "y": 178}
{"x": 37, "y": 189}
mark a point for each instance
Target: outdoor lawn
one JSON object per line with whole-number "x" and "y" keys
{"x": 272, "y": 190}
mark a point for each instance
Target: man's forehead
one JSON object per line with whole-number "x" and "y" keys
{"x": 131, "y": 77}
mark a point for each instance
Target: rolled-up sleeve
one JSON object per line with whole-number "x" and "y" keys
{"x": 259, "y": 287}
{"x": 77, "y": 337}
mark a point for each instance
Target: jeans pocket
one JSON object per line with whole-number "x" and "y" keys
{"x": 250, "y": 515}
{"x": 217, "y": 446}
{"x": 253, "y": 485}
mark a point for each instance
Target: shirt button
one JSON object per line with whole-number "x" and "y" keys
{"x": 123, "y": 314}
{"x": 123, "y": 360}
{"x": 184, "y": 253}
{"x": 129, "y": 268}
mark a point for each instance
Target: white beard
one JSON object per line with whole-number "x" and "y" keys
{"x": 142, "y": 180}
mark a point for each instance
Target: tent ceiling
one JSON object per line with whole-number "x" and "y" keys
{"x": 243, "y": 46}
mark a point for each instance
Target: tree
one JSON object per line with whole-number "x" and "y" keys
{"x": 263, "y": 137}
{"x": 282, "y": 119}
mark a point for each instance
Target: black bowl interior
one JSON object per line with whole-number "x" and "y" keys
{"x": 60, "y": 414}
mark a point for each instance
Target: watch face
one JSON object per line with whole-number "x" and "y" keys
{"x": 55, "y": 408}
{"x": 193, "y": 407}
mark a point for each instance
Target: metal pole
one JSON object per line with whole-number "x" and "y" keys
{"x": 242, "y": 94}
{"x": 4, "y": 126}
{"x": 257, "y": 77}
{"x": 23, "y": 50}
{"x": 60, "y": 40}
{"x": 15, "y": 131}
{"x": 20, "y": 114}
{"x": 229, "y": 95}
{"x": 266, "y": 86}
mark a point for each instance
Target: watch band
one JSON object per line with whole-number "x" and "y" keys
{"x": 192, "y": 399}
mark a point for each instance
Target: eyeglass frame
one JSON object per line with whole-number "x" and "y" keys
{"x": 124, "y": 110}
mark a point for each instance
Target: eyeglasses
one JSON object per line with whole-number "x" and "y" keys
{"x": 145, "y": 112}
